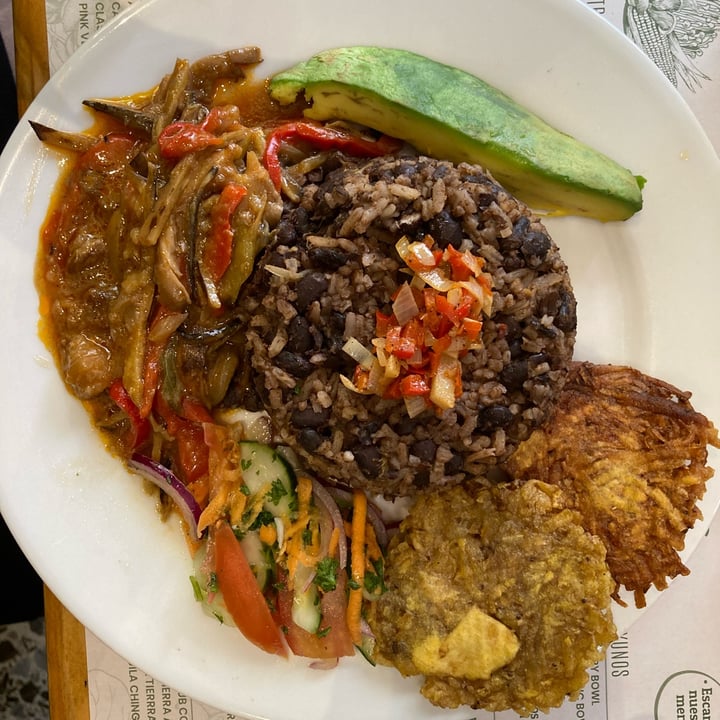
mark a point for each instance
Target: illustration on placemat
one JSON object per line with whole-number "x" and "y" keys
{"x": 674, "y": 34}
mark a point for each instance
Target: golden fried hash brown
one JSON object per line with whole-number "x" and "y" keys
{"x": 630, "y": 454}
{"x": 508, "y": 567}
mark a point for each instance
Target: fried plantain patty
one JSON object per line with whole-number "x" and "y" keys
{"x": 630, "y": 453}
{"x": 518, "y": 555}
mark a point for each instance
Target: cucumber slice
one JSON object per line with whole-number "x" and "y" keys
{"x": 266, "y": 471}
{"x": 257, "y": 558}
{"x": 306, "y": 603}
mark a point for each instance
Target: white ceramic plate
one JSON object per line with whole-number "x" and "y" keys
{"x": 647, "y": 292}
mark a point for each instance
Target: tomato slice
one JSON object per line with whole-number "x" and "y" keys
{"x": 244, "y": 600}
{"x": 333, "y": 639}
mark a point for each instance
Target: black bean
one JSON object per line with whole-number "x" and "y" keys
{"x": 286, "y": 233}
{"x": 493, "y": 417}
{"x": 514, "y": 374}
{"x": 380, "y": 174}
{"x": 566, "y": 315}
{"x": 309, "y": 439}
{"x": 407, "y": 169}
{"x": 535, "y": 245}
{"x": 514, "y": 241}
{"x": 455, "y": 464}
{"x": 483, "y": 200}
{"x": 336, "y": 322}
{"x": 368, "y": 459}
{"x": 274, "y": 258}
{"x": 541, "y": 328}
{"x": 422, "y": 478}
{"x": 446, "y": 230}
{"x": 537, "y": 359}
{"x": 327, "y": 258}
{"x": 309, "y": 418}
{"x": 516, "y": 348}
{"x": 512, "y": 262}
{"x": 406, "y": 425}
{"x": 294, "y": 364}
{"x": 309, "y": 288}
{"x": 366, "y": 432}
{"x": 424, "y": 450}
{"x": 549, "y": 303}
{"x": 300, "y": 339}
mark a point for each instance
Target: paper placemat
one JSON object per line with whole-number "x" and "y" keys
{"x": 664, "y": 667}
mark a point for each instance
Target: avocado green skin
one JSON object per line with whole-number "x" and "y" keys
{"x": 447, "y": 113}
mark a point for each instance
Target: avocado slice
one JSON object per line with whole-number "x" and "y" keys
{"x": 447, "y": 113}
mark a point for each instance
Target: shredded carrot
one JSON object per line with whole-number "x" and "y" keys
{"x": 294, "y": 539}
{"x": 373, "y": 551}
{"x": 268, "y": 534}
{"x": 215, "y": 508}
{"x": 334, "y": 540}
{"x": 357, "y": 564}
{"x": 237, "y": 502}
{"x": 200, "y": 489}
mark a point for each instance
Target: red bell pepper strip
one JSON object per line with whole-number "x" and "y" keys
{"x": 218, "y": 249}
{"x": 413, "y": 385}
{"x": 326, "y": 138}
{"x": 140, "y": 426}
{"x": 402, "y": 347}
{"x": 182, "y": 138}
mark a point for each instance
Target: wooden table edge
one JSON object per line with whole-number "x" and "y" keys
{"x": 64, "y": 634}
{"x": 32, "y": 65}
{"x": 66, "y": 661}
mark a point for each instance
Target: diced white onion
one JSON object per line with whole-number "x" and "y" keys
{"x": 442, "y": 389}
{"x": 474, "y": 288}
{"x": 422, "y": 254}
{"x": 350, "y": 385}
{"x": 436, "y": 279}
{"x": 392, "y": 367}
{"x": 404, "y": 307}
{"x": 359, "y": 353}
{"x": 414, "y": 404}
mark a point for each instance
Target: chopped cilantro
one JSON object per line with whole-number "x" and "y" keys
{"x": 245, "y": 490}
{"x": 277, "y": 491}
{"x": 307, "y": 536}
{"x": 326, "y": 574}
{"x": 245, "y": 463}
{"x": 293, "y": 503}
{"x": 212, "y": 583}
{"x": 376, "y": 581}
{"x": 264, "y": 517}
{"x": 353, "y": 584}
{"x": 322, "y": 632}
{"x": 197, "y": 590}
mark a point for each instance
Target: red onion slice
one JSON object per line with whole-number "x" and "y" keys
{"x": 166, "y": 480}
{"x": 373, "y": 514}
{"x": 330, "y": 506}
